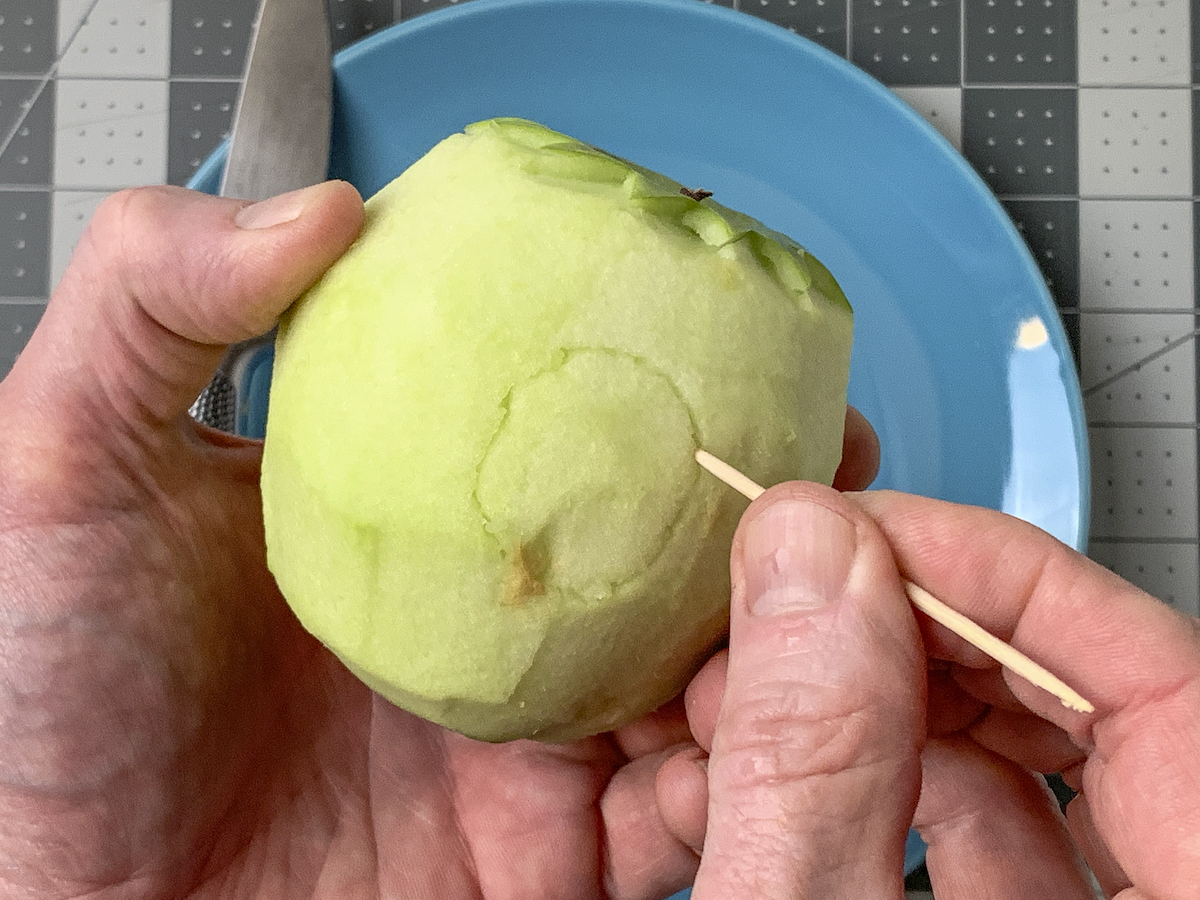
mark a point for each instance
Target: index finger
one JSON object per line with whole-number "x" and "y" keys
{"x": 1109, "y": 640}
{"x": 860, "y": 454}
{"x": 1135, "y": 658}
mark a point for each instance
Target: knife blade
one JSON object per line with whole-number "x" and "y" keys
{"x": 280, "y": 138}
{"x": 279, "y": 142}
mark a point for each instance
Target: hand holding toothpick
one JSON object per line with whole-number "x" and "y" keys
{"x": 1003, "y": 653}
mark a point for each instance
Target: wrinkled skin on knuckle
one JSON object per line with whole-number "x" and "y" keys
{"x": 149, "y": 245}
{"x": 787, "y": 734}
{"x": 109, "y": 240}
{"x": 149, "y": 261}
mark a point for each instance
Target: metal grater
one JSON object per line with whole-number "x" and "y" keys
{"x": 217, "y": 404}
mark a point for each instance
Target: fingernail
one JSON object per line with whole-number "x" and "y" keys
{"x": 275, "y": 210}
{"x": 796, "y": 557}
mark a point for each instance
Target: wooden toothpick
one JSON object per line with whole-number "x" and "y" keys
{"x": 969, "y": 631}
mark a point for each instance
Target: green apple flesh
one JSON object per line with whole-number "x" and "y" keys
{"x": 478, "y": 484}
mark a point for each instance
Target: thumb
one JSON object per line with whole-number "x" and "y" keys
{"x": 814, "y": 771}
{"x": 162, "y": 280}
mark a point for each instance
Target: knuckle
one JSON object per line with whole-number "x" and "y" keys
{"x": 113, "y": 249}
{"x": 111, "y": 215}
{"x": 131, "y": 209}
{"x": 788, "y": 736}
{"x": 151, "y": 244}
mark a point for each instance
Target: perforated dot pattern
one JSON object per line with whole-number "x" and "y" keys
{"x": 1019, "y": 42}
{"x": 24, "y": 231}
{"x": 1168, "y": 570}
{"x": 908, "y": 41}
{"x": 17, "y": 321}
{"x": 1135, "y": 142}
{"x": 350, "y": 20}
{"x": 1023, "y": 140}
{"x": 209, "y": 38}
{"x": 116, "y": 38}
{"x": 1080, "y": 115}
{"x": 822, "y": 21}
{"x": 27, "y": 119}
{"x": 201, "y": 116}
{"x": 1051, "y": 229}
{"x": 110, "y": 133}
{"x": 1162, "y": 390}
{"x": 1134, "y": 42}
{"x": 27, "y": 36}
{"x": 1139, "y": 254}
{"x": 1142, "y": 483}
{"x": 70, "y": 213}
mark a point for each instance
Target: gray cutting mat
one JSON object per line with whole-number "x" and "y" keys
{"x": 1078, "y": 113}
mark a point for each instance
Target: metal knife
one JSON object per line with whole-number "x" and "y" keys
{"x": 279, "y": 142}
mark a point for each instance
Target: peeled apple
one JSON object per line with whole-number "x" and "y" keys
{"x": 479, "y": 485}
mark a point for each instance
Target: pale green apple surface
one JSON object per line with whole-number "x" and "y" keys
{"x": 478, "y": 484}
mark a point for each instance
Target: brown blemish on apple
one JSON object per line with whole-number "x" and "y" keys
{"x": 523, "y": 580}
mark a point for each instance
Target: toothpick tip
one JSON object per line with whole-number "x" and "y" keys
{"x": 728, "y": 474}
